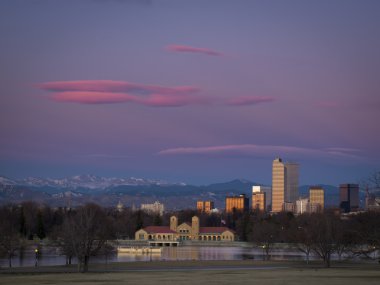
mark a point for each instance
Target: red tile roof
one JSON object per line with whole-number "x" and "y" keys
{"x": 159, "y": 230}
{"x": 214, "y": 230}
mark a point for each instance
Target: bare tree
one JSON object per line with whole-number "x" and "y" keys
{"x": 346, "y": 238}
{"x": 10, "y": 239}
{"x": 303, "y": 235}
{"x": 30, "y": 210}
{"x": 374, "y": 180}
{"x": 264, "y": 234}
{"x": 85, "y": 233}
{"x": 367, "y": 230}
{"x": 371, "y": 183}
{"x": 60, "y": 236}
{"x": 324, "y": 233}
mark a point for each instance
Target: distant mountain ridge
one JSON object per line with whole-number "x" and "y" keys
{"x": 83, "y": 181}
{"x": 81, "y": 189}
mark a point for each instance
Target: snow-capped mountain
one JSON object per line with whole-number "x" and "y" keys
{"x": 84, "y": 181}
{"x": 6, "y": 181}
{"x": 67, "y": 194}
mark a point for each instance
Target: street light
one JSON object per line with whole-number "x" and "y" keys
{"x": 263, "y": 252}
{"x": 36, "y": 261}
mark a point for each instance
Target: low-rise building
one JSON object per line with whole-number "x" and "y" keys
{"x": 205, "y": 206}
{"x": 258, "y": 201}
{"x": 268, "y": 196}
{"x": 289, "y": 207}
{"x": 238, "y": 203}
{"x": 184, "y": 231}
{"x": 372, "y": 203}
{"x": 302, "y": 206}
{"x": 154, "y": 208}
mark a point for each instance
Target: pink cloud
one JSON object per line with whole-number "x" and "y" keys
{"x": 109, "y": 91}
{"x": 263, "y": 151}
{"x": 183, "y": 48}
{"x": 153, "y": 100}
{"x": 249, "y": 100}
{"x": 88, "y": 97}
{"x": 159, "y": 100}
{"x": 113, "y": 86}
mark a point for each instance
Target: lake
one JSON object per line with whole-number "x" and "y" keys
{"x": 51, "y": 257}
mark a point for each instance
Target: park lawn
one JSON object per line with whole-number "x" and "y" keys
{"x": 189, "y": 273}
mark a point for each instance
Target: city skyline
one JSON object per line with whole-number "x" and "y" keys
{"x": 198, "y": 91}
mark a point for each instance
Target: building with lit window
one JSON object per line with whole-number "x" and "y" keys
{"x": 284, "y": 185}
{"x": 317, "y": 199}
{"x": 237, "y": 203}
{"x": 278, "y": 185}
{"x": 205, "y": 206}
{"x": 268, "y": 196}
{"x": 258, "y": 199}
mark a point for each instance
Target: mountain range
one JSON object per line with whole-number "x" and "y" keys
{"x": 76, "y": 190}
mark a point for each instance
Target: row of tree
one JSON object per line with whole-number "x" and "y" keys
{"x": 84, "y": 231}
{"x": 322, "y": 234}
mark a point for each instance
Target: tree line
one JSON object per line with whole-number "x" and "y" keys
{"x": 84, "y": 231}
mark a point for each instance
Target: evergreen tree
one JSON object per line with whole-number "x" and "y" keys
{"x": 40, "y": 226}
{"x": 139, "y": 220}
{"x": 157, "y": 220}
{"x": 22, "y": 223}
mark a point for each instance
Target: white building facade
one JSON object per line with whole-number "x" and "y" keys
{"x": 155, "y": 208}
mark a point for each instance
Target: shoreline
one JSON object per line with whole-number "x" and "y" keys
{"x": 114, "y": 267}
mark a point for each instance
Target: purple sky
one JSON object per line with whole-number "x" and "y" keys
{"x": 193, "y": 91}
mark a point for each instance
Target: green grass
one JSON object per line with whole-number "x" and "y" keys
{"x": 188, "y": 272}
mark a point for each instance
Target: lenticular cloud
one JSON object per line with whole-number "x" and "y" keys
{"x": 109, "y": 91}
{"x": 190, "y": 49}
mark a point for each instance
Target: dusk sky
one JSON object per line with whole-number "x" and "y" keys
{"x": 192, "y": 91}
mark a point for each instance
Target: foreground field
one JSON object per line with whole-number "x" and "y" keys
{"x": 202, "y": 273}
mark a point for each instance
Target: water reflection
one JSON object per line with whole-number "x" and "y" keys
{"x": 27, "y": 257}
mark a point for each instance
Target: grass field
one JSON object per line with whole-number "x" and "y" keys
{"x": 228, "y": 272}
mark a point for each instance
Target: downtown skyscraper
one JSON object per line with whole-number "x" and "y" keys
{"x": 284, "y": 184}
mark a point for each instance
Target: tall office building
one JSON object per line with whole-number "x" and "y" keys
{"x": 284, "y": 184}
{"x": 349, "y": 197}
{"x": 268, "y": 196}
{"x": 291, "y": 189}
{"x": 239, "y": 203}
{"x": 317, "y": 199}
{"x": 278, "y": 185}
